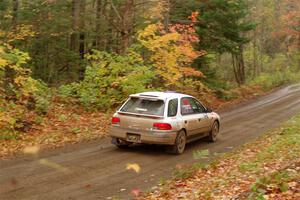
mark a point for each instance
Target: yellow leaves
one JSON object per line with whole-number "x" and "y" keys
{"x": 166, "y": 42}
{"x": 2, "y": 33}
{"x": 20, "y": 80}
{"x": 6, "y": 120}
{"x": 8, "y": 16}
{"x": 152, "y": 38}
{"x": 3, "y": 62}
{"x": 170, "y": 51}
{"x": 15, "y": 60}
{"x": 22, "y": 32}
{"x": 149, "y": 31}
{"x": 133, "y": 166}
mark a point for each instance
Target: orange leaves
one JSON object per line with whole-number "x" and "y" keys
{"x": 292, "y": 21}
{"x": 194, "y": 16}
{"x": 247, "y": 173}
{"x": 188, "y": 71}
{"x": 187, "y": 31}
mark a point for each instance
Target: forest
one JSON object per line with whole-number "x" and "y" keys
{"x": 91, "y": 54}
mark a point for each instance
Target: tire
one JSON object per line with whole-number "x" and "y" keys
{"x": 214, "y": 132}
{"x": 180, "y": 143}
{"x": 120, "y": 143}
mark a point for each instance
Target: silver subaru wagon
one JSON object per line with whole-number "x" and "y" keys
{"x": 166, "y": 118}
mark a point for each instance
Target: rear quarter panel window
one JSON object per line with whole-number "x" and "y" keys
{"x": 172, "y": 107}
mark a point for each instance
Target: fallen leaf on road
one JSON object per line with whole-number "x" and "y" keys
{"x": 32, "y": 150}
{"x": 53, "y": 165}
{"x": 136, "y": 192}
{"x": 88, "y": 186}
{"x": 135, "y": 167}
{"x": 13, "y": 181}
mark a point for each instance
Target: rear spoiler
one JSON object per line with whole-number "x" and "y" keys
{"x": 150, "y": 97}
{"x": 140, "y": 115}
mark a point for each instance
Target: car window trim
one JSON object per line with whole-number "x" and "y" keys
{"x": 200, "y": 104}
{"x": 181, "y": 107}
{"x": 196, "y": 101}
{"x": 177, "y": 107}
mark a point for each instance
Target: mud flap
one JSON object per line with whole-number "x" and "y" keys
{"x": 114, "y": 141}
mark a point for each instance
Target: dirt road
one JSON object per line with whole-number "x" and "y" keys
{"x": 97, "y": 170}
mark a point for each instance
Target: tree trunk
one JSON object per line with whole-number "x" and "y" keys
{"x": 74, "y": 38}
{"x": 127, "y": 25}
{"x": 167, "y": 15}
{"x": 9, "y": 73}
{"x": 239, "y": 67}
{"x": 256, "y": 70}
{"x": 82, "y": 37}
{"x": 81, "y": 29}
{"x": 235, "y": 70}
{"x": 299, "y": 49}
{"x": 100, "y": 41}
{"x": 77, "y": 38}
{"x": 15, "y": 10}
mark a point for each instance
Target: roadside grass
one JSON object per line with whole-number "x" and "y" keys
{"x": 266, "y": 168}
{"x": 254, "y": 87}
{"x": 268, "y": 81}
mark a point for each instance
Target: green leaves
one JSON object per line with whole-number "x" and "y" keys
{"x": 109, "y": 79}
{"x": 223, "y": 24}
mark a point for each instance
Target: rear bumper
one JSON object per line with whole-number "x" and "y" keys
{"x": 148, "y": 137}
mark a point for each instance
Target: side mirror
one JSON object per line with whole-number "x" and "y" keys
{"x": 208, "y": 110}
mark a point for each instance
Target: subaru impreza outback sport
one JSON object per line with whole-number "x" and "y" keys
{"x": 166, "y": 118}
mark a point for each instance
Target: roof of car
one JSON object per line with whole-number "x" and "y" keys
{"x": 160, "y": 95}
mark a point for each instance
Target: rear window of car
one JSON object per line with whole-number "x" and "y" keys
{"x": 144, "y": 106}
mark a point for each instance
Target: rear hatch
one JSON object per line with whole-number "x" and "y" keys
{"x": 140, "y": 113}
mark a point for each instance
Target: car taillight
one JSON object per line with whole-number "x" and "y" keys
{"x": 115, "y": 120}
{"x": 162, "y": 126}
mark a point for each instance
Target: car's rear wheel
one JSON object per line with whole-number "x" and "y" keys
{"x": 180, "y": 143}
{"x": 214, "y": 132}
{"x": 122, "y": 144}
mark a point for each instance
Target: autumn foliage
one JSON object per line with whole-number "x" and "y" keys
{"x": 93, "y": 54}
{"x": 291, "y": 19}
{"x": 21, "y": 95}
{"x": 171, "y": 50}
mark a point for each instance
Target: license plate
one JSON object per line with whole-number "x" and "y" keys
{"x": 133, "y": 137}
